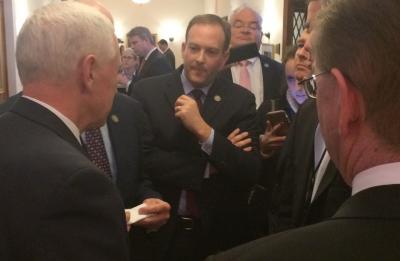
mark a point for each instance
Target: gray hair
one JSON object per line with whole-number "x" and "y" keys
{"x": 361, "y": 39}
{"x": 243, "y": 7}
{"x": 142, "y": 32}
{"x": 56, "y": 37}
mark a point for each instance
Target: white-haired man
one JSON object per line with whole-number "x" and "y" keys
{"x": 56, "y": 204}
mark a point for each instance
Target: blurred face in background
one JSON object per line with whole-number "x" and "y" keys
{"x": 296, "y": 91}
{"x": 129, "y": 60}
{"x": 303, "y": 61}
{"x": 245, "y": 28}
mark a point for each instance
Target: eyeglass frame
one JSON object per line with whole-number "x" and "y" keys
{"x": 310, "y": 84}
{"x": 253, "y": 26}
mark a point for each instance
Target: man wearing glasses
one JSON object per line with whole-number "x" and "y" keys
{"x": 261, "y": 75}
{"x": 357, "y": 104}
{"x": 311, "y": 188}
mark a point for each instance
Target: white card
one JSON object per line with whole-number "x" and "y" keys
{"x": 134, "y": 214}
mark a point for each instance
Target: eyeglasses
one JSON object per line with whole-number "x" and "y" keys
{"x": 310, "y": 84}
{"x": 251, "y": 26}
{"x": 128, "y": 57}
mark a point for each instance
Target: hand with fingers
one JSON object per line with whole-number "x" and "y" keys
{"x": 240, "y": 139}
{"x": 158, "y": 211}
{"x": 270, "y": 142}
{"x": 187, "y": 111}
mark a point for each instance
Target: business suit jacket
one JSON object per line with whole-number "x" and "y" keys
{"x": 175, "y": 161}
{"x": 156, "y": 64}
{"x": 170, "y": 57}
{"x": 365, "y": 228}
{"x": 295, "y": 170}
{"x": 125, "y": 124}
{"x": 55, "y": 203}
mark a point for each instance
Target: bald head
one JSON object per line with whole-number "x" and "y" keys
{"x": 102, "y": 9}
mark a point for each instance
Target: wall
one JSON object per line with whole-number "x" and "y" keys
{"x": 16, "y": 11}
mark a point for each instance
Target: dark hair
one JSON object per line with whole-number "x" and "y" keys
{"x": 211, "y": 19}
{"x": 163, "y": 41}
{"x": 143, "y": 32}
{"x": 289, "y": 54}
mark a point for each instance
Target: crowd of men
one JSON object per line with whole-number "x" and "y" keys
{"x": 192, "y": 145}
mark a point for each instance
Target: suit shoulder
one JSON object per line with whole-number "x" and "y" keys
{"x": 234, "y": 88}
{"x": 151, "y": 83}
{"x": 270, "y": 62}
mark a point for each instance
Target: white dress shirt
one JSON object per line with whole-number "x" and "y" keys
{"x": 386, "y": 174}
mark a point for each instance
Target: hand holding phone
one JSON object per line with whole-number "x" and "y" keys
{"x": 279, "y": 117}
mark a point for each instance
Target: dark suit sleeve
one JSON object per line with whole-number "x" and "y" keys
{"x": 240, "y": 166}
{"x": 145, "y": 189}
{"x": 82, "y": 221}
{"x": 174, "y": 167}
{"x": 160, "y": 66}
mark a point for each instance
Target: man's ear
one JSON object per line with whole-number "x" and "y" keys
{"x": 226, "y": 57}
{"x": 88, "y": 72}
{"x": 351, "y": 112}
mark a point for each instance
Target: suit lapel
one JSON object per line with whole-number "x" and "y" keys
{"x": 174, "y": 89}
{"x": 215, "y": 99}
{"x": 268, "y": 76}
{"x": 39, "y": 114}
{"x": 327, "y": 179}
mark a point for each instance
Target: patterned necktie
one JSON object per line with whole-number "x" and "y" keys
{"x": 244, "y": 76}
{"x": 97, "y": 151}
{"x": 190, "y": 208}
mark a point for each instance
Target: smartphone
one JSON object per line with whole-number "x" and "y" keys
{"x": 279, "y": 117}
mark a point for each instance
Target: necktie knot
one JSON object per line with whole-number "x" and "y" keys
{"x": 197, "y": 96}
{"x": 244, "y": 63}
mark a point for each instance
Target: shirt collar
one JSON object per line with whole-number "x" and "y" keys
{"x": 149, "y": 53}
{"x": 71, "y": 126}
{"x": 188, "y": 87}
{"x": 380, "y": 175}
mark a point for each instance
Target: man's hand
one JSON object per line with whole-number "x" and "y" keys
{"x": 122, "y": 80}
{"x": 240, "y": 140}
{"x": 187, "y": 111}
{"x": 270, "y": 142}
{"x": 158, "y": 211}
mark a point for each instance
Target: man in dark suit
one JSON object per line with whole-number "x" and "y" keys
{"x": 163, "y": 45}
{"x": 357, "y": 101}
{"x": 309, "y": 189}
{"x": 265, "y": 78}
{"x": 197, "y": 169}
{"x": 56, "y": 204}
{"x": 298, "y": 200}
{"x": 152, "y": 61}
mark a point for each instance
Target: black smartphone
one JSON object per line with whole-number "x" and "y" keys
{"x": 279, "y": 117}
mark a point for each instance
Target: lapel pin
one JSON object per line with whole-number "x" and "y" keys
{"x": 266, "y": 65}
{"x": 217, "y": 98}
{"x": 114, "y": 118}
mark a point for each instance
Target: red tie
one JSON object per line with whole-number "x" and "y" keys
{"x": 191, "y": 209}
{"x": 97, "y": 151}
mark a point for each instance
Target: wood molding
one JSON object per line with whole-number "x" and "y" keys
{"x": 3, "y": 67}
